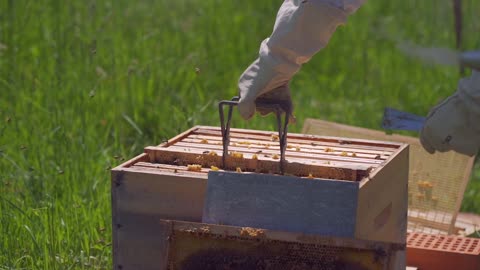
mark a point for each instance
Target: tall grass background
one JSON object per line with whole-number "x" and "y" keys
{"x": 87, "y": 84}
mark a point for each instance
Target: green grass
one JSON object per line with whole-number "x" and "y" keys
{"x": 87, "y": 84}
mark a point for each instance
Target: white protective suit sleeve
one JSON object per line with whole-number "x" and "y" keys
{"x": 454, "y": 124}
{"x": 302, "y": 28}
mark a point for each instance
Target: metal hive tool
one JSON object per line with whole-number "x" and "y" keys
{"x": 276, "y": 106}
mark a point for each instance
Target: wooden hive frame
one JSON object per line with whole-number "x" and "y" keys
{"x": 323, "y": 157}
{"x": 159, "y": 184}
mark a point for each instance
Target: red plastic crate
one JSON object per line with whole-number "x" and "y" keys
{"x": 441, "y": 252}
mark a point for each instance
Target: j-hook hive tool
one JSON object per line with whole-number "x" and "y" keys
{"x": 271, "y": 105}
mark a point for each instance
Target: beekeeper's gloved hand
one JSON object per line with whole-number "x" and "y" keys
{"x": 454, "y": 124}
{"x": 302, "y": 28}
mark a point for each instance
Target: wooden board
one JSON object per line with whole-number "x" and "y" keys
{"x": 465, "y": 224}
{"x": 468, "y": 223}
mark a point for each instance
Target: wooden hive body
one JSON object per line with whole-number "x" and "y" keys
{"x": 205, "y": 246}
{"x": 159, "y": 185}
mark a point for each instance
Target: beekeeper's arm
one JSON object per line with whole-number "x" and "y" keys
{"x": 454, "y": 124}
{"x": 302, "y": 28}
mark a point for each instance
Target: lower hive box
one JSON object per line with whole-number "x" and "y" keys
{"x": 193, "y": 246}
{"x": 169, "y": 182}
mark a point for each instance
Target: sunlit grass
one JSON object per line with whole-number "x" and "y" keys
{"x": 87, "y": 84}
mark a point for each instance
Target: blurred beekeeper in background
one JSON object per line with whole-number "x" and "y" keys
{"x": 304, "y": 27}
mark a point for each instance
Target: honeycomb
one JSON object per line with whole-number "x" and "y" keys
{"x": 198, "y": 250}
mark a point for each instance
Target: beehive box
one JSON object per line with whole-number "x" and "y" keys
{"x": 160, "y": 184}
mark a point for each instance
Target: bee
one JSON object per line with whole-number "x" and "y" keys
{"x": 244, "y": 142}
{"x": 236, "y": 154}
{"x": 194, "y": 167}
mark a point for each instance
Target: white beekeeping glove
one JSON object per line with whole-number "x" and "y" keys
{"x": 454, "y": 124}
{"x": 302, "y": 28}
